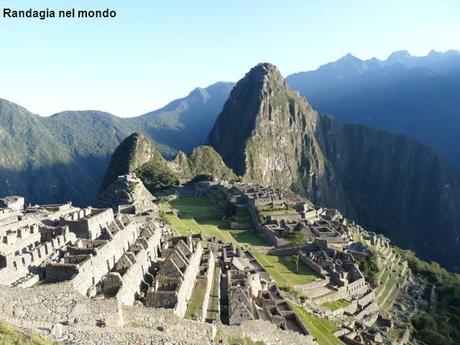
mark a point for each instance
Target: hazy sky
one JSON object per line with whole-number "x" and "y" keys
{"x": 156, "y": 51}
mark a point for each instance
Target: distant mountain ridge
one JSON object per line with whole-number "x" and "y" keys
{"x": 416, "y": 96}
{"x": 64, "y": 157}
{"x": 269, "y": 134}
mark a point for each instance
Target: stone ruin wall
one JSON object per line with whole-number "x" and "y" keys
{"x": 209, "y": 283}
{"x": 310, "y": 263}
{"x": 88, "y": 223}
{"x": 93, "y": 269}
{"x": 135, "y": 274}
{"x": 32, "y": 308}
{"x": 19, "y": 265}
{"x": 271, "y": 237}
{"x": 259, "y": 330}
{"x": 188, "y": 282}
{"x": 53, "y": 303}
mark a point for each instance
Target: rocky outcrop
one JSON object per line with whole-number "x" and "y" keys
{"x": 136, "y": 154}
{"x": 389, "y": 183}
{"x": 131, "y": 154}
{"x": 127, "y": 194}
{"x": 203, "y": 160}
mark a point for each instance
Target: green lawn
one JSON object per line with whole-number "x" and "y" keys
{"x": 213, "y": 306}
{"x": 249, "y": 238}
{"x": 199, "y": 208}
{"x": 10, "y": 335}
{"x": 195, "y": 304}
{"x": 200, "y": 215}
{"x": 392, "y": 280}
{"x": 334, "y": 305}
{"x": 177, "y": 224}
{"x": 320, "y": 328}
{"x": 282, "y": 269}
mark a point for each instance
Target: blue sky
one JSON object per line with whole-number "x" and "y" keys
{"x": 156, "y": 51}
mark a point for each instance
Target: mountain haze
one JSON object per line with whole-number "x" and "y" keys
{"x": 65, "y": 156}
{"x": 389, "y": 183}
{"x": 416, "y": 96}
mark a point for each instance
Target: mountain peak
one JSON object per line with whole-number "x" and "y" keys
{"x": 399, "y": 56}
{"x": 349, "y": 58}
{"x": 199, "y": 94}
{"x": 264, "y": 121}
{"x": 265, "y": 72}
{"x": 132, "y": 152}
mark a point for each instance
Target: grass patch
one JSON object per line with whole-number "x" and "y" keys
{"x": 390, "y": 283}
{"x": 199, "y": 208}
{"x": 249, "y": 238}
{"x": 200, "y": 215}
{"x": 176, "y": 224}
{"x": 334, "y": 305}
{"x": 13, "y": 336}
{"x": 213, "y": 306}
{"x": 195, "y": 304}
{"x": 282, "y": 269}
{"x": 320, "y": 328}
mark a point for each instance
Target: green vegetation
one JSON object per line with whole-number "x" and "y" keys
{"x": 156, "y": 176}
{"x": 369, "y": 268}
{"x": 137, "y": 154}
{"x": 439, "y": 322}
{"x": 283, "y": 270}
{"x": 297, "y": 239}
{"x": 204, "y": 160}
{"x": 383, "y": 291}
{"x": 12, "y": 336}
{"x": 245, "y": 341}
{"x": 322, "y": 329}
{"x": 249, "y": 238}
{"x": 195, "y": 304}
{"x": 334, "y": 305}
{"x": 213, "y": 310}
{"x": 199, "y": 215}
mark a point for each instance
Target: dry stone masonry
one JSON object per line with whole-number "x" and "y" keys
{"x": 117, "y": 273}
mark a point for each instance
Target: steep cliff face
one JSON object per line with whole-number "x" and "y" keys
{"x": 418, "y": 96}
{"x": 397, "y": 186}
{"x": 265, "y": 133}
{"x": 131, "y": 154}
{"x": 269, "y": 134}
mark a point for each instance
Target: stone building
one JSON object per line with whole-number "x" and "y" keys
{"x": 174, "y": 282}
{"x": 271, "y": 305}
{"x": 29, "y": 237}
{"x": 89, "y": 222}
{"x": 338, "y": 267}
{"x": 14, "y": 203}
{"x": 258, "y": 196}
{"x": 242, "y": 288}
{"x": 127, "y": 194}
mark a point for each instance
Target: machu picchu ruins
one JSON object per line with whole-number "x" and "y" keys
{"x": 132, "y": 260}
